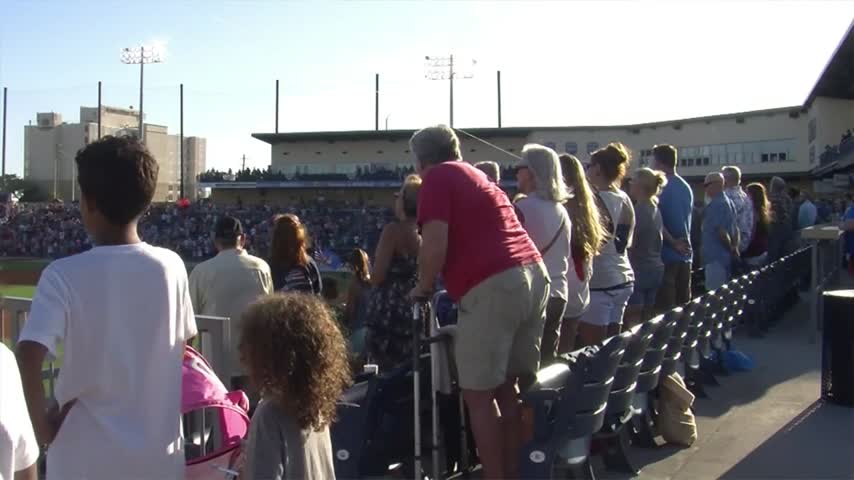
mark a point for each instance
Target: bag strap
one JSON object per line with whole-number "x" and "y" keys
{"x": 554, "y": 239}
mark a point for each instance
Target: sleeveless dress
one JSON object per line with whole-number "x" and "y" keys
{"x": 389, "y": 315}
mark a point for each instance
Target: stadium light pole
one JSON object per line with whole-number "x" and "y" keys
{"x": 141, "y": 55}
{"x": 442, "y": 68}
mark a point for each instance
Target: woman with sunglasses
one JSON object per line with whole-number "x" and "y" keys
{"x": 613, "y": 279}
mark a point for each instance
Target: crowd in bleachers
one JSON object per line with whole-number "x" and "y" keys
{"x": 581, "y": 254}
{"x": 845, "y": 146}
{"x": 373, "y": 173}
{"x": 55, "y": 230}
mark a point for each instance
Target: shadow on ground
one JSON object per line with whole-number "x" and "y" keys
{"x": 815, "y": 444}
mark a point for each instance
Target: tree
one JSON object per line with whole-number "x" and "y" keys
{"x": 25, "y": 190}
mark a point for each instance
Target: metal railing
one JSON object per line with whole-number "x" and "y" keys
{"x": 213, "y": 339}
{"x": 826, "y": 259}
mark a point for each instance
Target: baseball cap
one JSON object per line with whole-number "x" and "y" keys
{"x": 228, "y": 228}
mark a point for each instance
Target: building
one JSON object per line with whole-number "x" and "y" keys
{"x": 51, "y": 145}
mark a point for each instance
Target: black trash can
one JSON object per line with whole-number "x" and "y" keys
{"x": 837, "y": 357}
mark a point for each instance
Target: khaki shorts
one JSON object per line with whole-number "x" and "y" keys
{"x": 500, "y": 327}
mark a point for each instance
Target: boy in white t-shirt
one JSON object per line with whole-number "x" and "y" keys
{"x": 122, "y": 313}
{"x": 18, "y": 448}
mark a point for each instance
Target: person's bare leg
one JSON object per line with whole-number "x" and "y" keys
{"x": 590, "y": 334}
{"x": 568, "y": 334}
{"x": 511, "y": 419}
{"x": 488, "y": 431}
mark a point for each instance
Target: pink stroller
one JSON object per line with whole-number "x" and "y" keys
{"x": 214, "y": 421}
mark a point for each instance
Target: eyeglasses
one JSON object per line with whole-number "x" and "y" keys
{"x": 707, "y": 184}
{"x": 518, "y": 168}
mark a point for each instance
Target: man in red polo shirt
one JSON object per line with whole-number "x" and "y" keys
{"x": 471, "y": 235}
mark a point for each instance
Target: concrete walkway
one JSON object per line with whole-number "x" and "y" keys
{"x": 765, "y": 424}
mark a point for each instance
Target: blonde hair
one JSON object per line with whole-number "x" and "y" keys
{"x": 587, "y": 232}
{"x": 652, "y": 181}
{"x": 491, "y": 169}
{"x": 409, "y": 195}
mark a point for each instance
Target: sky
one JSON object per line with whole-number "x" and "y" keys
{"x": 562, "y": 63}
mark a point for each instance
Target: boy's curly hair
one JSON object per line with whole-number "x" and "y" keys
{"x": 296, "y": 356}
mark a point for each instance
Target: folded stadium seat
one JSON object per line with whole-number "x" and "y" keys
{"x": 564, "y": 449}
{"x": 545, "y": 422}
{"x": 695, "y": 312}
{"x": 674, "y": 345}
{"x": 642, "y": 430}
{"x": 374, "y": 428}
{"x": 619, "y": 411}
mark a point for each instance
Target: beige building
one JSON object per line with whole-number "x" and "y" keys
{"x": 761, "y": 143}
{"x": 51, "y": 145}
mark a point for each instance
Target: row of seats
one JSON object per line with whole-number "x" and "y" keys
{"x": 603, "y": 392}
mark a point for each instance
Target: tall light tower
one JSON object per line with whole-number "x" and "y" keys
{"x": 442, "y": 68}
{"x": 141, "y": 55}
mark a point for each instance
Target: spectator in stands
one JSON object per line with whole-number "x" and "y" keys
{"x": 741, "y": 203}
{"x": 696, "y": 235}
{"x": 807, "y": 212}
{"x": 122, "y": 312}
{"x": 389, "y": 312}
{"x": 756, "y": 254}
{"x": 544, "y": 217}
{"x": 847, "y": 225}
{"x": 781, "y": 219}
{"x": 19, "y": 450}
{"x": 292, "y": 268}
{"x": 613, "y": 278}
{"x": 645, "y": 253}
{"x": 720, "y": 233}
{"x": 491, "y": 169}
{"x": 676, "y": 205}
{"x": 294, "y": 351}
{"x": 493, "y": 269}
{"x": 358, "y": 296}
{"x": 226, "y": 284}
{"x": 586, "y": 239}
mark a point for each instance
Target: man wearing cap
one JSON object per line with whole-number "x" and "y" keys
{"x": 226, "y": 284}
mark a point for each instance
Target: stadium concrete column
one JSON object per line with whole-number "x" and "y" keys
{"x": 277, "y": 106}
{"x": 498, "y": 76}
{"x": 377, "y": 101}
{"x": 99, "y": 109}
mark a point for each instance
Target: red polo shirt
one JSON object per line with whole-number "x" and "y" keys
{"x": 484, "y": 235}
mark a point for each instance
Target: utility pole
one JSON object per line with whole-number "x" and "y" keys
{"x": 499, "y": 98}
{"x": 377, "y": 102}
{"x": 181, "y": 141}
{"x": 99, "y": 109}
{"x": 243, "y": 167}
{"x": 442, "y": 68}
{"x": 5, "y": 108}
{"x": 277, "y": 106}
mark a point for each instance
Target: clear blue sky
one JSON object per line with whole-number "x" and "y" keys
{"x": 570, "y": 63}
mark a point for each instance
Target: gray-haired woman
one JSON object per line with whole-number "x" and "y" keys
{"x": 543, "y": 216}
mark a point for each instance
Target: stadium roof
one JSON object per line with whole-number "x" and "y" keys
{"x": 273, "y": 138}
{"x": 837, "y": 78}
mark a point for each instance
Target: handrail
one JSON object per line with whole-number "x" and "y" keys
{"x": 213, "y": 340}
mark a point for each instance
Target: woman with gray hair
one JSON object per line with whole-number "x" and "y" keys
{"x": 781, "y": 223}
{"x": 543, "y": 216}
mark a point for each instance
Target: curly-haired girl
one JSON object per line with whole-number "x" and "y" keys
{"x": 296, "y": 356}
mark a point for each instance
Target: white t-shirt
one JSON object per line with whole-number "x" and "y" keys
{"x": 18, "y": 446}
{"x": 578, "y": 290}
{"x": 612, "y": 268}
{"x": 122, "y": 314}
{"x": 542, "y": 220}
